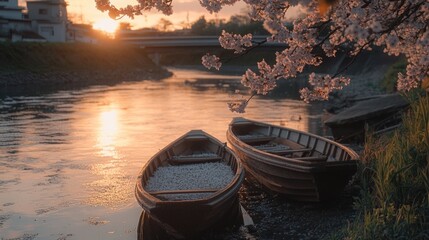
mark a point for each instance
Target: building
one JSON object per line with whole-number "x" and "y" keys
{"x": 49, "y": 18}
{"x": 41, "y": 21}
{"x": 12, "y": 21}
{"x": 81, "y": 33}
{"x": 44, "y": 21}
{"x": 9, "y": 9}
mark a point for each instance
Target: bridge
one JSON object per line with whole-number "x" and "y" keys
{"x": 188, "y": 50}
{"x": 186, "y": 41}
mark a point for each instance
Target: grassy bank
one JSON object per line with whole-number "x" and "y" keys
{"x": 47, "y": 57}
{"x": 52, "y": 65}
{"x": 394, "y": 180}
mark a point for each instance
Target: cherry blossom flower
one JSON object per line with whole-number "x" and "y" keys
{"x": 238, "y": 106}
{"x": 399, "y": 27}
{"x": 235, "y": 41}
{"x": 322, "y": 87}
{"x": 211, "y": 61}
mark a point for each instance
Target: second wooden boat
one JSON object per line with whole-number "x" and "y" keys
{"x": 299, "y": 165}
{"x": 191, "y": 185}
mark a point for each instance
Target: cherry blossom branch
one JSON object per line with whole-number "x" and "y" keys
{"x": 247, "y": 51}
{"x": 239, "y": 106}
{"x": 400, "y": 27}
{"x": 352, "y": 61}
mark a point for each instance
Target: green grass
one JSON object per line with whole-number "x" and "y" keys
{"x": 391, "y": 76}
{"x": 394, "y": 181}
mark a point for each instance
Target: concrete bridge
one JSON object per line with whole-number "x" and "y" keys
{"x": 186, "y": 41}
{"x": 171, "y": 50}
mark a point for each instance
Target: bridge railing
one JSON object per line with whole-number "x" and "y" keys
{"x": 186, "y": 41}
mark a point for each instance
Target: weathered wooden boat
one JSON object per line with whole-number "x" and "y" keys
{"x": 299, "y": 165}
{"x": 380, "y": 114}
{"x": 188, "y": 201}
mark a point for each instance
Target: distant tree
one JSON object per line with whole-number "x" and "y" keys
{"x": 242, "y": 24}
{"x": 199, "y": 26}
{"x": 124, "y": 26}
{"x": 164, "y": 25}
{"x": 237, "y": 24}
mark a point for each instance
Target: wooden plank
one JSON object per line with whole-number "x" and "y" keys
{"x": 258, "y": 139}
{"x": 272, "y": 147}
{"x": 182, "y": 160}
{"x": 316, "y": 159}
{"x": 188, "y": 191}
{"x": 288, "y": 151}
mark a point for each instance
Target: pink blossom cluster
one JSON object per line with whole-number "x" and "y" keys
{"x": 163, "y": 6}
{"x": 211, "y": 61}
{"x": 322, "y": 86}
{"x": 238, "y": 106}
{"x": 216, "y": 5}
{"x": 261, "y": 83}
{"x": 235, "y": 41}
{"x": 400, "y": 27}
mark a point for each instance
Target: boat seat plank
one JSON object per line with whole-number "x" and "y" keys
{"x": 288, "y": 151}
{"x": 186, "y": 191}
{"x": 314, "y": 158}
{"x": 197, "y": 138}
{"x": 249, "y": 139}
{"x": 181, "y": 160}
{"x": 267, "y": 147}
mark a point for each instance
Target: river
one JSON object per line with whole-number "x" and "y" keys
{"x": 69, "y": 159}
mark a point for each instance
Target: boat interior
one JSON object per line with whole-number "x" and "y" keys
{"x": 193, "y": 150}
{"x": 288, "y": 143}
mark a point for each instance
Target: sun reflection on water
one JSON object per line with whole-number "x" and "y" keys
{"x": 108, "y": 190}
{"x": 108, "y": 133}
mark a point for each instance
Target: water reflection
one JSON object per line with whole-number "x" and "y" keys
{"x": 107, "y": 133}
{"x": 77, "y": 153}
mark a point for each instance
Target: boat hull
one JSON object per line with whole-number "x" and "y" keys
{"x": 296, "y": 180}
{"x": 189, "y": 218}
{"x": 149, "y": 228}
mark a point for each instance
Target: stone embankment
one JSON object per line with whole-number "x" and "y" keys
{"x": 79, "y": 78}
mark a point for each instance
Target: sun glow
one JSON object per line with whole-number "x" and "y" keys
{"x": 106, "y": 25}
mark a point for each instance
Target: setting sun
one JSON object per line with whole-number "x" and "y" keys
{"x": 106, "y": 25}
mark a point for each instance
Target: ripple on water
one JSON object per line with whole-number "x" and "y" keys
{"x": 88, "y": 146}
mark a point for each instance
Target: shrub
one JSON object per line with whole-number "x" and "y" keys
{"x": 394, "y": 180}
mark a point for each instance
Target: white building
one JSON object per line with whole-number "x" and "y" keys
{"x": 9, "y": 9}
{"x": 49, "y": 18}
{"x": 81, "y": 33}
{"x": 13, "y": 24}
{"x": 42, "y": 21}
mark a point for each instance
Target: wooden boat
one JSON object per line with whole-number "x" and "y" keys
{"x": 296, "y": 164}
{"x": 380, "y": 114}
{"x": 185, "y": 212}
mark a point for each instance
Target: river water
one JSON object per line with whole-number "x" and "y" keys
{"x": 69, "y": 159}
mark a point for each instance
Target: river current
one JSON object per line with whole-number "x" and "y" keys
{"x": 69, "y": 159}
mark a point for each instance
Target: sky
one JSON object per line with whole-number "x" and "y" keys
{"x": 84, "y": 10}
{"x": 184, "y": 11}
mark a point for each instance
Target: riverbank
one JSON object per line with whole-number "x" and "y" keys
{"x": 55, "y": 66}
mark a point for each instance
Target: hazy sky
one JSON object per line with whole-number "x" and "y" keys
{"x": 84, "y": 10}
{"x": 183, "y": 11}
